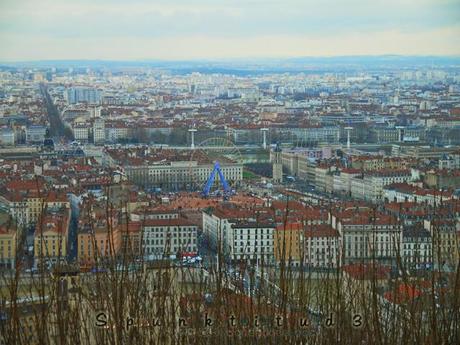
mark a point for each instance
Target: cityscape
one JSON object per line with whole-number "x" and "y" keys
{"x": 237, "y": 199}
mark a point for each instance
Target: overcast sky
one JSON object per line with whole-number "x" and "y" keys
{"x": 213, "y": 29}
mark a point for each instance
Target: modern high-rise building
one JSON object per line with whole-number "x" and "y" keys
{"x": 83, "y": 95}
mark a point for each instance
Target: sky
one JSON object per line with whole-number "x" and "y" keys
{"x": 225, "y": 29}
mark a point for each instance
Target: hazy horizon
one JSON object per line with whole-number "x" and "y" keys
{"x": 240, "y": 59}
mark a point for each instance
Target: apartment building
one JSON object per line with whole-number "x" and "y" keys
{"x": 288, "y": 244}
{"x": 451, "y": 161}
{"x": 98, "y": 131}
{"x": 443, "y": 179}
{"x": 303, "y": 168}
{"x": 115, "y": 132}
{"x": 376, "y": 163}
{"x": 342, "y": 180}
{"x": 81, "y": 132}
{"x": 367, "y": 236}
{"x": 324, "y": 178}
{"x": 97, "y": 243}
{"x": 131, "y": 239}
{"x": 445, "y": 240}
{"x": 16, "y": 206}
{"x": 25, "y": 207}
{"x": 322, "y": 246}
{"x": 162, "y": 237}
{"x": 294, "y": 161}
{"x": 253, "y": 241}
{"x": 51, "y": 237}
{"x": 27, "y": 312}
{"x": 404, "y": 192}
{"x": 217, "y": 225}
{"x": 370, "y": 185}
{"x": 143, "y": 213}
{"x": 8, "y": 246}
{"x": 416, "y": 250}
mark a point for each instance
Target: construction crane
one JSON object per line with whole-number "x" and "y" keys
{"x": 210, "y": 182}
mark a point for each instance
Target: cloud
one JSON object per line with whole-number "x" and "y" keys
{"x": 118, "y": 29}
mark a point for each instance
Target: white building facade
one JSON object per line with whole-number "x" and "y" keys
{"x": 164, "y": 237}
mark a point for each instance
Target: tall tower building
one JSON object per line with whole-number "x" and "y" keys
{"x": 277, "y": 165}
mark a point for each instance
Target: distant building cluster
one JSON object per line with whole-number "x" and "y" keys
{"x": 362, "y": 167}
{"x": 417, "y": 107}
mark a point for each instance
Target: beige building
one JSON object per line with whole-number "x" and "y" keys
{"x": 51, "y": 237}
{"x": 8, "y": 246}
{"x": 367, "y": 236}
{"x": 324, "y": 179}
{"x": 445, "y": 240}
{"x": 170, "y": 169}
{"x": 442, "y": 179}
{"x": 97, "y": 243}
{"x": 370, "y": 185}
{"x": 26, "y": 207}
{"x": 288, "y": 244}
{"x": 342, "y": 180}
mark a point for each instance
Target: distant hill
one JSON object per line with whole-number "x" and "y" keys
{"x": 256, "y": 66}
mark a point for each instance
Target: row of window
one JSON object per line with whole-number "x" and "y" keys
{"x": 317, "y": 241}
{"x": 253, "y": 231}
{"x": 362, "y": 253}
{"x": 157, "y": 250}
{"x": 255, "y": 237}
{"x": 321, "y": 256}
{"x": 173, "y": 235}
{"x": 322, "y": 250}
{"x": 149, "y": 230}
{"x": 416, "y": 246}
{"x": 411, "y": 254}
{"x": 256, "y": 243}
{"x": 252, "y": 250}
{"x": 253, "y": 256}
{"x": 175, "y": 241}
{"x": 383, "y": 238}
